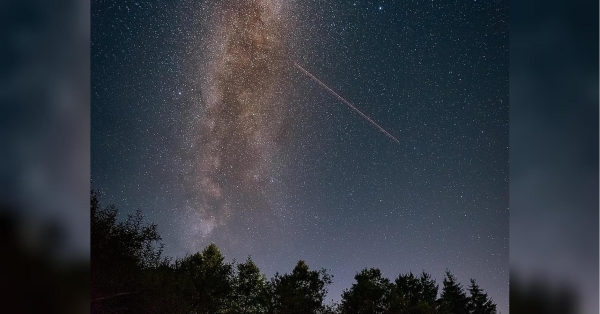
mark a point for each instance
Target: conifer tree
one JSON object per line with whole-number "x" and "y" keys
{"x": 453, "y": 299}
{"x": 479, "y": 303}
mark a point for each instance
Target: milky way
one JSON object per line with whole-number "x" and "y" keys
{"x": 242, "y": 111}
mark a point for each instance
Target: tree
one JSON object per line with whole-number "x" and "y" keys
{"x": 370, "y": 293}
{"x": 453, "y": 299}
{"x": 249, "y": 289}
{"x": 429, "y": 289}
{"x": 129, "y": 276}
{"x": 411, "y": 294}
{"x": 205, "y": 280}
{"x": 120, "y": 251}
{"x": 478, "y": 302}
{"x": 300, "y": 292}
{"x": 331, "y": 308}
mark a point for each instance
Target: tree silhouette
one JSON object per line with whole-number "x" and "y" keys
{"x": 206, "y": 279}
{"x": 370, "y": 293}
{"x": 453, "y": 299}
{"x": 411, "y": 294}
{"x": 429, "y": 289}
{"x": 120, "y": 251}
{"x": 479, "y": 303}
{"x": 129, "y": 276}
{"x": 300, "y": 292}
{"x": 250, "y": 294}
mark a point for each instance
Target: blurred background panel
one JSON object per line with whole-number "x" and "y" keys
{"x": 554, "y": 157}
{"x": 44, "y": 156}
{"x": 44, "y": 119}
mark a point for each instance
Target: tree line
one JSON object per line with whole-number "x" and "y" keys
{"x": 130, "y": 275}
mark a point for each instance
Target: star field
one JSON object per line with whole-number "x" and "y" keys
{"x": 200, "y": 119}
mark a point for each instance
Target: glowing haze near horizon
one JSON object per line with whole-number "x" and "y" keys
{"x": 201, "y": 120}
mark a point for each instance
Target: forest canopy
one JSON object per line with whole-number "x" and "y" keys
{"x": 130, "y": 275}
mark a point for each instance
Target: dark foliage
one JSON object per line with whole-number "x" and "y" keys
{"x": 302, "y": 291}
{"x": 130, "y": 276}
{"x": 415, "y": 295}
{"x": 479, "y": 302}
{"x": 453, "y": 299}
{"x": 206, "y": 280}
{"x": 120, "y": 253}
{"x": 250, "y": 290}
{"x": 370, "y": 294}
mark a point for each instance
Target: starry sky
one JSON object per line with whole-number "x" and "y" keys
{"x": 202, "y": 118}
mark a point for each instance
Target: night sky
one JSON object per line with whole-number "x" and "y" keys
{"x": 202, "y": 118}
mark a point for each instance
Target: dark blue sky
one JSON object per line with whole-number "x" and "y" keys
{"x": 330, "y": 188}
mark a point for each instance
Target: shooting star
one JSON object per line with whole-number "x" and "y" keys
{"x": 347, "y": 103}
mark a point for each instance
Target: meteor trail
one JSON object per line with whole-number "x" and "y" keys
{"x": 347, "y": 103}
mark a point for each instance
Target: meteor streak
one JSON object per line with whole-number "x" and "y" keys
{"x": 347, "y": 103}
